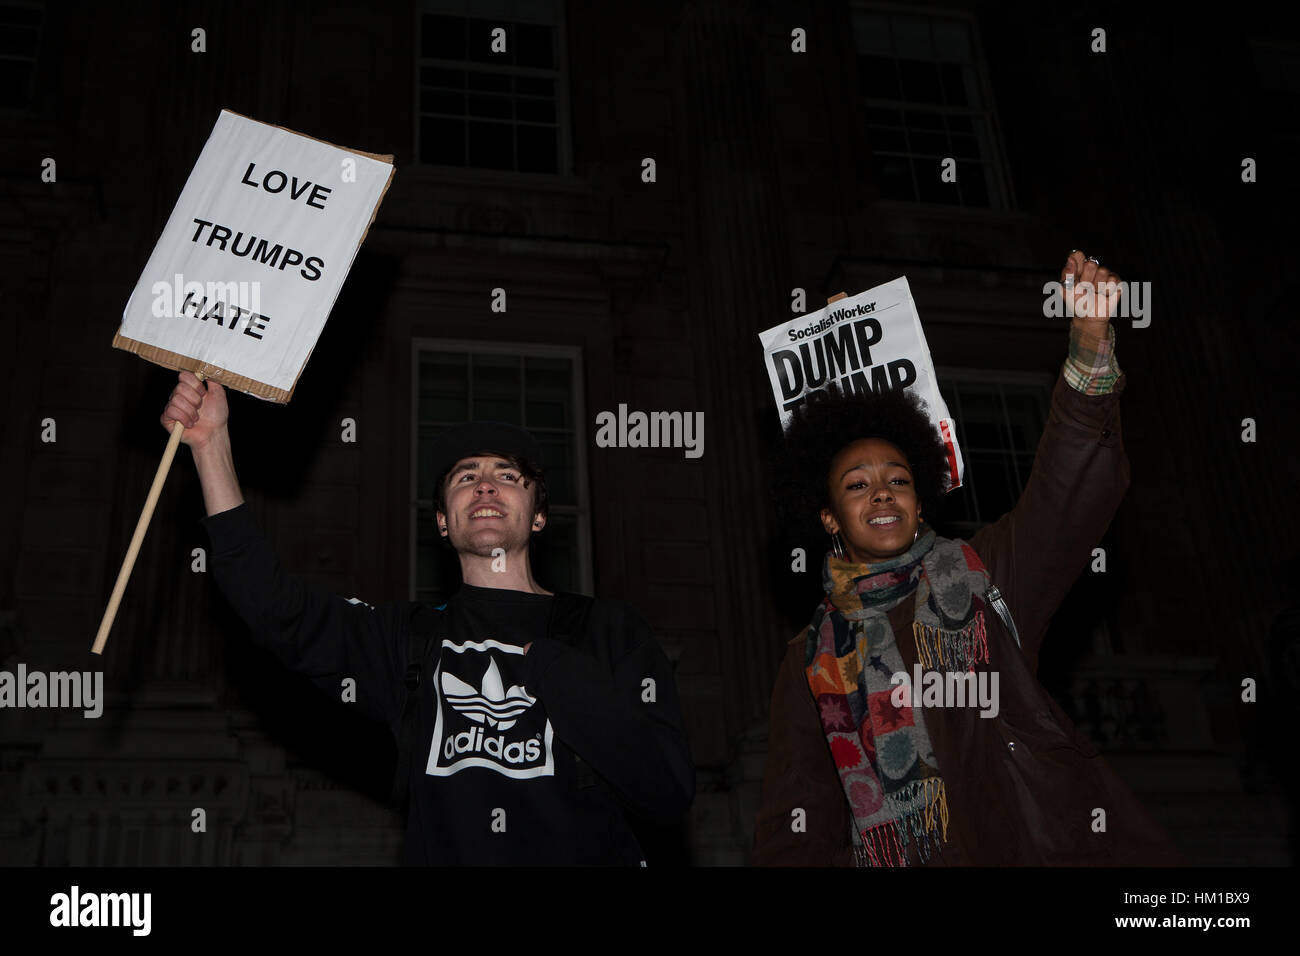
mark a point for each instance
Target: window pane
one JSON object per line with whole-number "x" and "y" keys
{"x": 954, "y": 85}
{"x": 533, "y": 45}
{"x": 442, "y": 141}
{"x": 894, "y": 177}
{"x": 15, "y": 82}
{"x": 998, "y": 427}
{"x": 488, "y": 82}
{"x": 496, "y": 395}
{"x": 495, "y": 107}
{"x": 871, "y": 34}
{"x": 425, "y": 476}
{"x": 1025, "y": 425}
{"x": 491, "y": 146}
{"x": 429, "y": 546}
{"x": 912, "y": 38}
{"x": 558, "y": 453}
{"x": 929, "y": 144}
{"x": 959, "y": 506}
{"x": 923, "y": 119}
{"x": 970, "y": 83}
{"x": 444, "y": 387}
{"x": 951, "y": 40}
{"x": 555, "y": 556}
{"x": 534, "y": 11}
{"x": 888, "y": 140}
{"x": 964, "y": 147}
{"x": 443, "y": 38}
{"x": 442, "y": 78}
{"x": 974, "y": 185}
{"x": 920, "y": 81}
{"x": 445, "y": 102}
{"x": 879, "y": 78}
{"x": 537, "y": 149}
{"x": 884, "y": 116}
{"x": 929, "y": 187}
{"x": 535, "y": 111}
{"x": 960, "y": 124}
{"x": 19, "y": 41}
{"x": 534, "y": 86}
{"x": 479, "y": 38}
{"x": 548, "y": 395}
{"x": 21, "y": 15}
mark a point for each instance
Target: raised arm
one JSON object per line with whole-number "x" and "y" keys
{"x": 1080, "y": 473}
{"x": 313, "y": 631}
{"x": 201, "y": 407}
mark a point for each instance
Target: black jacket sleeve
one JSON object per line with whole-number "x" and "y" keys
{"x": 314, "y": 632}
{"x": 620, "y": 715}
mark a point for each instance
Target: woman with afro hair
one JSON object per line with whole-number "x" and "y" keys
{"x": 907, "y": 726}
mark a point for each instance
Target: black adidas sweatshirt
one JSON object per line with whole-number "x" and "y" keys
{"x": 495, "y": 776}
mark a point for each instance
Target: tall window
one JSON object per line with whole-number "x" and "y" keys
{"x": 486, "y": 109}
{"x": 536, "y": 386}
{"x": 1277, "y": 65}
{"x": 1000, "y": 418}
{"x": 926, "y": 99}
{"x": 20, "y": 41}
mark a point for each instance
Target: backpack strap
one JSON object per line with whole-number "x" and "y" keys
{"x": 568, "y": 625}
{"x": 569, "y": 613}
{"x": 425, "y": 634}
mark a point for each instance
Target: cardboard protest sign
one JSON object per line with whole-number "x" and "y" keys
{"x": 253, "y": 256}
{"x": 865, "y": 343}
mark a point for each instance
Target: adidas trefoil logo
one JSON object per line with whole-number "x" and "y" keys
{"x": 493, "y": 705}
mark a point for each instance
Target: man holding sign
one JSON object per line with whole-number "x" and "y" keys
{"x": 216, "y": 299}
{"x": 532, "y": 727}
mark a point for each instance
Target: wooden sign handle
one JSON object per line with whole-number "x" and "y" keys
{"x": 137, "y": 539}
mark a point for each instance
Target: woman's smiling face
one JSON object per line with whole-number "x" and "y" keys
{"x": 874, "y": 506}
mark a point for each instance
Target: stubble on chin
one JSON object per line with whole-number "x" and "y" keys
{"x": 483, "y": 544}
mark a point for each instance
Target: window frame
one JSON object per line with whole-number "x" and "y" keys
{"x": 1001, "y": 191}
{"x": 581, "y": 511}
{"x": 1036, "y": 384}
{"x": 30, "y": 93}
{"x": 564, "y": 148}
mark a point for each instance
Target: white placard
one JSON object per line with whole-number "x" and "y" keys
{"x": 865, "y": 343}
{"x": 253, "y": 256}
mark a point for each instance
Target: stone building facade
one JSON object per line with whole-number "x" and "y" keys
{"x": 794, "y": 146}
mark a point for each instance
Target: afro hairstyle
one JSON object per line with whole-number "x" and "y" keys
{"x": 827, "y": 422}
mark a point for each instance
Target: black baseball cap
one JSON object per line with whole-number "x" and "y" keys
{"x": 482, "y": 438}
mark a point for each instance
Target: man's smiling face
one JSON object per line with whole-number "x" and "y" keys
{"x": 489, "y": 505}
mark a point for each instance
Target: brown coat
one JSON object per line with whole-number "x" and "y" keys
{"x": 1022, "y": 787}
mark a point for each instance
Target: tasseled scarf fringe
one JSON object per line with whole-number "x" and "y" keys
{"x": 938, "y": 649}
{"x": 924, "y": 819}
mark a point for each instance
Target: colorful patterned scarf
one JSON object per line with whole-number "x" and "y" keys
{"x": 883, "y": 753}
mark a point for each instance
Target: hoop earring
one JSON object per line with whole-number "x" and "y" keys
{"x": 837, "y": 546}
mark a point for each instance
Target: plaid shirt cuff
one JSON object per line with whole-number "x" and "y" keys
{"x": 1091, "y": 367}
